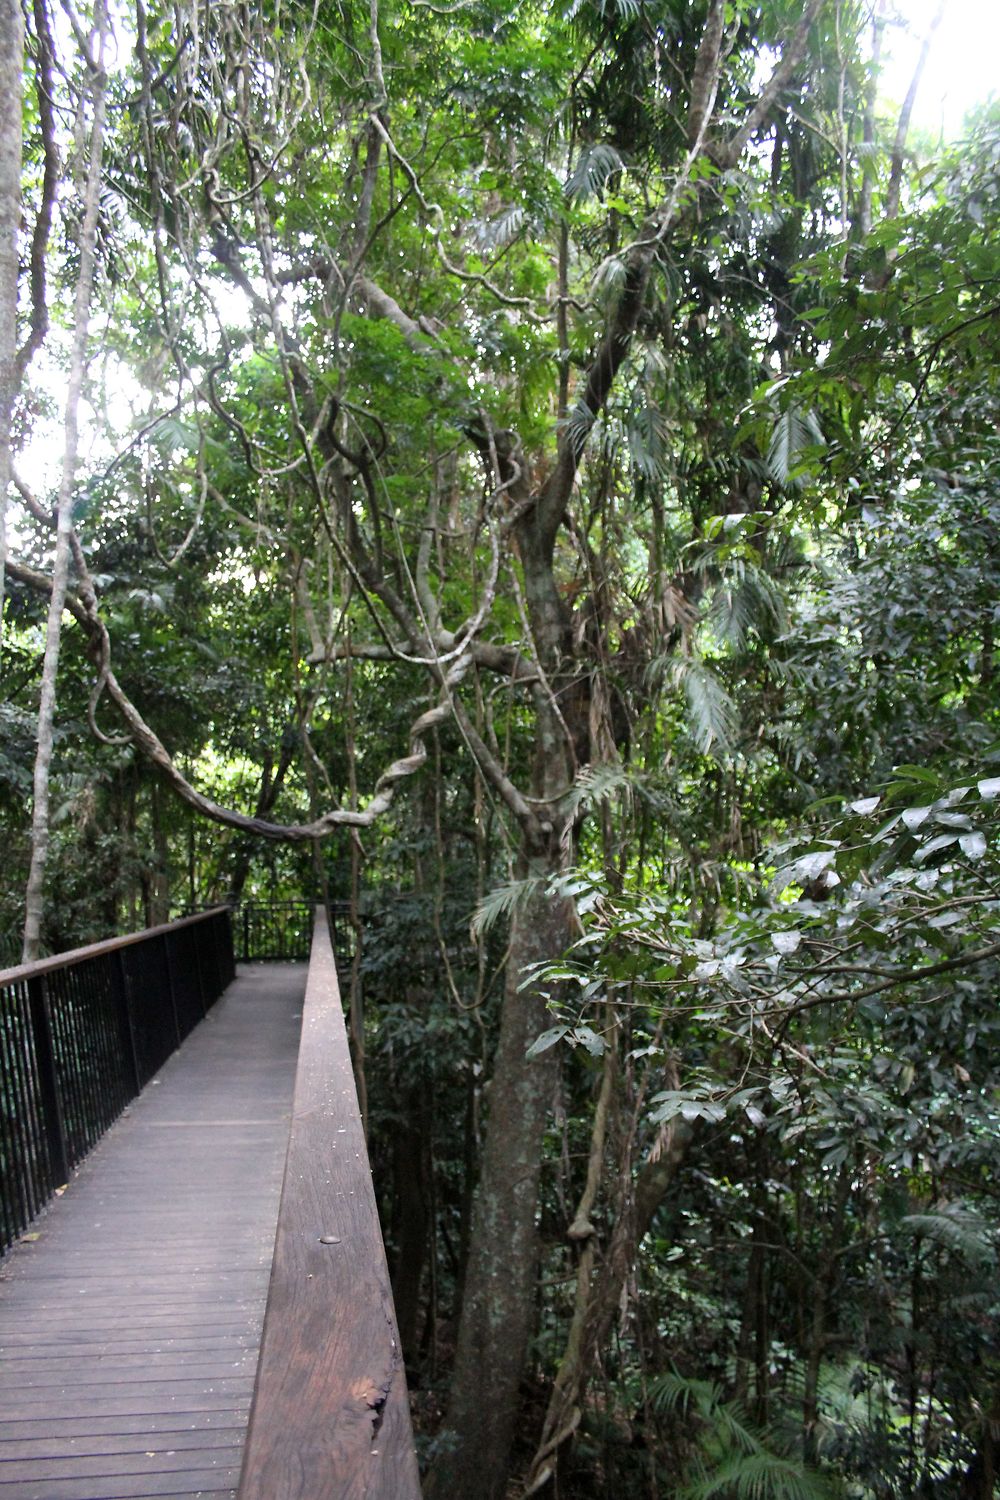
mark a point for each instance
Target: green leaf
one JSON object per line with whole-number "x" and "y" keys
{"x": 546, "y": 1040}
{"x": 941, "y": 842}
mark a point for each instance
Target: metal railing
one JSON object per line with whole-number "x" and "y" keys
{"x": 82, "y": 1033}
{"x": 276, "y": 931}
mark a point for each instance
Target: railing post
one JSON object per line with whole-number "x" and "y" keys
{"x": 246, "y": 933}
{"x": 48, "y": 1088}
{"x": 168, "y": 968}
{"x": 119, "y": 985}
{"x": 221, "y": 957}
{"x": 199, "y": 970}
{"x": 226, "y": 919}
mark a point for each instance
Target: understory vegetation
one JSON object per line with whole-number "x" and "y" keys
{"x": 533, "y": 472}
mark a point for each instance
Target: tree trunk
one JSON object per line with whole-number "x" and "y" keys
{"x": 64, "y": 523}
{"x": 11, "y": 70}
{"x": 499, "y": 1301}
{"x": 600, "y": 1288}
{"x": 159, "y": 884}
{"x": 272, "y": 779}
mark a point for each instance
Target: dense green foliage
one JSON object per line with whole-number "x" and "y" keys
{"x": 466, "y": 361}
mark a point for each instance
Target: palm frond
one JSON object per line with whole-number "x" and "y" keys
{"x": 502, "y": 229}
{"x": 795, "y": 431}
{"x": 956, "y": 1229}
{"x": 501, "y": 902}
{"x": 761, "y": 1475}
{"x": 747, "y": 599}
{"x": 596, "y": 164}
{"x": 594, "y": 784}
{"x": 713, "y": 718}
{"x": 647, "y": 442}
{"x": 736, "y": 1459}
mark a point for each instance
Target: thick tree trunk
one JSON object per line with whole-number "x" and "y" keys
{"x": 11, "y": 69}
{"x": 499, "y": 1301}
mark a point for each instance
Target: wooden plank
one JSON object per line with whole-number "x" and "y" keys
{"x": 127, "y": 1400}
{"x": 200, "y": 1482}
{"x": 97, "y": 1340}
{"x": 72, "y": 1449}
{"x": 143, "y": 1372}
{"x": 155, "y": 1426}
{"x": 330, "y": 1418}
{"x": 79, "y": 1466}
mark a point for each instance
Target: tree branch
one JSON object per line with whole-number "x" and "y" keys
{"x": 156, "y": 753}
{"x": 727, "y": 155}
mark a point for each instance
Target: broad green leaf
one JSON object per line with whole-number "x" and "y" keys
{"x": 941, "y": 842}
{"x": 546, "y": 1040}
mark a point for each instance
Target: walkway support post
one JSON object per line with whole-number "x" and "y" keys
{"x": 330, "y": 1418}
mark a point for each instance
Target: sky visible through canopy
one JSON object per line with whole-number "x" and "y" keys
{"x": 962, "y": 69}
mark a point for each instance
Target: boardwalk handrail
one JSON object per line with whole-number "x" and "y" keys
{"x": 266, "y": 931}
{"x": 330, "y": 1418}
{"x": 82, "y": 1033}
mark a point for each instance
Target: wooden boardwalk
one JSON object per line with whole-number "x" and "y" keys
{"x": 130, "y": 1320}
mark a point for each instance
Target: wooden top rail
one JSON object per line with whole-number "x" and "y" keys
{"x": 330, "y": 1418}
{"x": 96, "y": 950}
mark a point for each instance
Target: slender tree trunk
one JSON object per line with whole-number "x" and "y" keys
{"x": 600, "y": 1288}
{"x": 64, "y": 523}
{"x": 272, "y": 781}
{"x": 159, "y": 885}
{"x": 410, "y": 1153}
{"x": 822, "y": 1290}
{"x": 11, "y": 71}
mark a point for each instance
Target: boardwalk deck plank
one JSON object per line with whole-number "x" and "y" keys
{"x": 130, "y": 1320}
